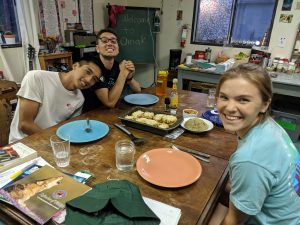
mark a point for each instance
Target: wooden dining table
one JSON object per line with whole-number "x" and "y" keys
{"x": 196, "y": 201}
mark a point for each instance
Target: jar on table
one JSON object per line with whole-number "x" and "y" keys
{"x": 279, "y": 66}
{"x": 291, "y": 68}
{"x": 274, "y": 64}
{"x": 161, "y": 83}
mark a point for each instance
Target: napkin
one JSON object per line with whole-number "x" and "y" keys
{"x": 112, "y": 202}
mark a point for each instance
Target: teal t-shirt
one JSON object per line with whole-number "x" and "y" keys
{"x": 265, "y": 176}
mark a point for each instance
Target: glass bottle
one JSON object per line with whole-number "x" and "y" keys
{"x": 174, "y": 96}
{"x": 208, "y": 54}
{"x": 161, "y": 83}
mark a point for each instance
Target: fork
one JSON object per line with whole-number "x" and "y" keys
{"x": 88, "y": 128}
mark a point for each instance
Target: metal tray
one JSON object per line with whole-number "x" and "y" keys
{"x": 145, "y": 127}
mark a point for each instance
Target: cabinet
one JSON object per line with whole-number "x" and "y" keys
{"x": 296, "y": 49}
{"x": 48, "y": 61}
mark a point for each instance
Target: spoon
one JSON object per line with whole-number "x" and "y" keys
{"x": 134, "y": 139}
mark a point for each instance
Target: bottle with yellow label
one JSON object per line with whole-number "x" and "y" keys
{"x": 161, "y": 83}
{"x": 174, "y": 96}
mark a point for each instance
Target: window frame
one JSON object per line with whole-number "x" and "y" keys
{"x": 232, "y": 20}
{"x": 18, "y": 35}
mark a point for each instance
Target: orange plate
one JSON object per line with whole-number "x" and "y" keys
{"x": 167, "y": 167}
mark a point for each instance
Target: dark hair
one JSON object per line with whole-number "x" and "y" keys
{"x": 106, "y": 30}
{"x": 256, "y": 75}
{"x": 89, "y": 59}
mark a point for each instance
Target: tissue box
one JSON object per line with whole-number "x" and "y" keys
{"x": 224, "y": 66}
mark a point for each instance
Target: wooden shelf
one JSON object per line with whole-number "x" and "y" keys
{"x": 47, "y": 60}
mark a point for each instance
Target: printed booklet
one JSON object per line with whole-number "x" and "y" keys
{"x": 43, "y": 193}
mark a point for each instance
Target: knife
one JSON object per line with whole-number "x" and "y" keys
{"x": 196, "y": 156}
{"x": 188, "y": 150}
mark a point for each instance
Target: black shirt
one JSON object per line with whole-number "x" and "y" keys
{"x": 108, "y": 80}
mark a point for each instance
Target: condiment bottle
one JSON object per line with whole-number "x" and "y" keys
{"x": 174, "y": 97}
{"x": 161, "y": 83}
{"x": 208, "y": 54}
{"x": 167, "y": 104}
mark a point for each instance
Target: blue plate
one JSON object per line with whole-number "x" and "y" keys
{"x": 141, "y": 99}
{"x": 213, "y": 116}
{"x": 75, "y": 131}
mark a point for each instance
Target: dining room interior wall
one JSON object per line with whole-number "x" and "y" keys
{"x": 169, "y": 36}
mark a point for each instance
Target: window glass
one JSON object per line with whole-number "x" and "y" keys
{"x": 237, "y": 22}
{"x": 213, "y": 27}
{"x": 9, "y": 19}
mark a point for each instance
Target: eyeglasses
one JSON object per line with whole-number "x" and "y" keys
{"x": 105, "y": 40}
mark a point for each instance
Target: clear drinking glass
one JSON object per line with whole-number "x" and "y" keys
{"x": 125, "y": 151}
{"x": 61, "y": 150}
{"x": 211, "y": 102}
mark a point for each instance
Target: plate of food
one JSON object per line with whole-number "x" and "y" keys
{"x": 197, "y": 125}
{"x": 169, "y": 168}
{"x": 150, "y": 120}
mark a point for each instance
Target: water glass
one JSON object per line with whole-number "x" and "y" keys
{"x": 61, "y": 150}
{"x": 211, "y": 102}
{"x": 125, "y": 151}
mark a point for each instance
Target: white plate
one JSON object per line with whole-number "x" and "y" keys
{"x": 209, "y": 124}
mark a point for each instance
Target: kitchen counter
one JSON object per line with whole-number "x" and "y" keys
{"x": 285, "y": 84}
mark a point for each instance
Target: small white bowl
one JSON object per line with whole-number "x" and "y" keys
{"x": 189, "y": 113}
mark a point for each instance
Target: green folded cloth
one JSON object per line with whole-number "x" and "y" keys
{"x": 110, "y": 203}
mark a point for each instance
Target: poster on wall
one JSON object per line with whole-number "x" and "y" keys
{"x": 50, "y": 24}
{"x": 86, "y": 15}
{"x": 286, "y": 18}
{"x": 287, "y": 5}
{"x": 297, "y": 5}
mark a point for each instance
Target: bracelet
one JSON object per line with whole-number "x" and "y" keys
{"x": 129, "y": 79}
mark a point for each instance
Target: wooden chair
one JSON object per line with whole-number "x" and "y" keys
{"x": 203, "y": 87}
{"x": 8, "y": 91}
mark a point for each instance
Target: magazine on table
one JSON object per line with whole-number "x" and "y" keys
{"x": 16, "y": 154}
{"x": 43, "y": 193}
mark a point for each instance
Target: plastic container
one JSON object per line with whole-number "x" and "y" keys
{"x": 279, "y": 66}
{"x": 291, "y": 68}
{"x": 161, "y": 83}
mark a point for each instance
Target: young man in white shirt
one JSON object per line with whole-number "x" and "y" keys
{"x": 47, "y": 98}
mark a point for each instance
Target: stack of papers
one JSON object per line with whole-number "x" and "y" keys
{"x": 167, "y": 214}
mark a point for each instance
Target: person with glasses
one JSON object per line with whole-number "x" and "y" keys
{"x": 47, "y": 98}
{"x": 117, "y": 77}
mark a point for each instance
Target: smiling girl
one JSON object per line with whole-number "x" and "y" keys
{"x": 265, "y": 169}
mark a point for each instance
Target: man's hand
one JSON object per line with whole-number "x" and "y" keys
{"x": 129, "y": 66}
{"x": 123, "y": 70}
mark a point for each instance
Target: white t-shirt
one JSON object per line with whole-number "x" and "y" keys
{"x": 56, "y": 102}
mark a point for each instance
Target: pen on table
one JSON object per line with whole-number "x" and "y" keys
{"x": 19, "y": 172}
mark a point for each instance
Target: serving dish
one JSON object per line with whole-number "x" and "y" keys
{"x": 207, "y": 122}
{"x": 145, "y": 127}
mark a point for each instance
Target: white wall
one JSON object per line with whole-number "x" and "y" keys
{"x": 169, "y": 36}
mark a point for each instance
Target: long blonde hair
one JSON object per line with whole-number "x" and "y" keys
{"x": 254, "y": 74}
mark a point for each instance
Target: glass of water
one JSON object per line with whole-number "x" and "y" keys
{"x": 61, "y": 150}
{"x": 125, "y": 151}
{"x": 211, "y": 102}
